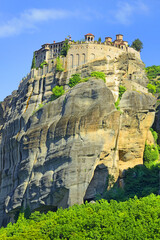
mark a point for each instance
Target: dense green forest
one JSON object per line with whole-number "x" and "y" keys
{"x": 132, "y": 219}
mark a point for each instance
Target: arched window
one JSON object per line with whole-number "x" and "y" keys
{"x": 71, "y": 60}
{"x": 92, "y": 56}
{"x": 83, "y": 58}
{"x": 77, "y": 60}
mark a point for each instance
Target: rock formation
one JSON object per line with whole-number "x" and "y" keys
{"x": 63, "y": 153}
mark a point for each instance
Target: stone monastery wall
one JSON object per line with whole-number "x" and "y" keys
{"x": 80, "y": 54}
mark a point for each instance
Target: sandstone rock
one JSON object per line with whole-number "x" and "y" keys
{"x": 138, "y": 116}
{"x": 62, "y": 154}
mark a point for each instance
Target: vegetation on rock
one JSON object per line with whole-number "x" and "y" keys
{"x": 57, "y": 92}
{"x": 75, "y": 79}
{"x": 122, "y": 89}
{"x": 137, "y": 44}
{"x": 59, "y": 65}
{"x": 65, "y": 48}
{"x": 43, "y": 63}
{"x": 99, "y": 75}
{"x": 133, "y": 219}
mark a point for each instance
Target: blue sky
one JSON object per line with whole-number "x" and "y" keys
{"x": 26, "y": 25}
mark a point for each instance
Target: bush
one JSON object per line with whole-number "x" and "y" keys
{"x": 43, "y": 63}
{"x": 151, "y": 154}
{"x": 59, "y": 65}
{"x": 122, "y": 90}
{"x": 99, "y": 75}
{"x": 57, "y": 92}
{"x": 151, "y": 88}
{"x": 75, "y": 79}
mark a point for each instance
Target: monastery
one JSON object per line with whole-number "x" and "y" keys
{"x": 83, "y": 52}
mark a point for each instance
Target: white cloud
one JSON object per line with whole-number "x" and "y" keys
{"x": 30, "y": 18}
{"x": 127, "y": 10}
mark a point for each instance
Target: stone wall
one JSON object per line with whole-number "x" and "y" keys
{"x": 80, "y": 54}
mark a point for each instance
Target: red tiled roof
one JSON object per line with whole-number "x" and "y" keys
{"x": 89, "y": 34}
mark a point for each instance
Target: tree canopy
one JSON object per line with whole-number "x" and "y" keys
{"x": 137, "y": 45}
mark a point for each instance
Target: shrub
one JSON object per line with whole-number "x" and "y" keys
{"x": 59, "y": 65}
{"x": 117, "y": 104}
{"x": 151, "y": 88}
{"x": 57, "y": 92}
{"x": 99, "y": 75}
{"x": 43, "y": 63}
{"x": 75, "y": 79}
{"x": 151, "y": 154}
{"x": 122, "y": 90}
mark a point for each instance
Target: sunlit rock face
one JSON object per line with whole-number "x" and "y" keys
{"x": 62, "y": 154}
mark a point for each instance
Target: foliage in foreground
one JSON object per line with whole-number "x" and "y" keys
{"x": 133, "y": 219}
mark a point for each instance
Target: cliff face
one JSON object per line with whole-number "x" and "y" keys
{"x": 62, "y": 153}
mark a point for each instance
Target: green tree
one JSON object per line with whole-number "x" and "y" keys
{"x": 99, "y": 39}
{"x": 65, "y": 48}
{"x": 137, "y": 45}
{"x": 33, "y": 61}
